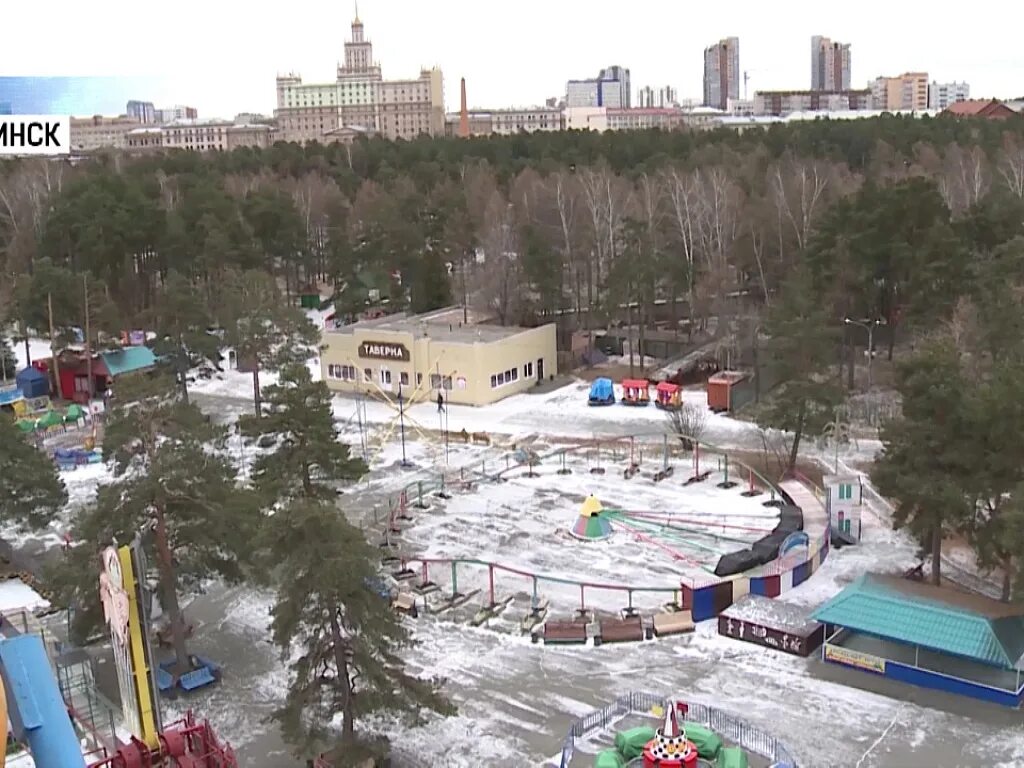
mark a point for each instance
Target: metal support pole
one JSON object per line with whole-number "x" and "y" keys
{"x": 455, "y": 580}
{"x": 490, "y": 575}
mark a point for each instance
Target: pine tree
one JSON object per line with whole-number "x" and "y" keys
{"x": 801, "y": 344}
{"x": 181, "y": 321}
{"x": 171, "y": 484}
{"x": 309, "y": 455}
{"x": 351, "y": 641}
{"x": 31, "y": 491}
{"x": 924, "y": 467}
{"x": 324, "y": 573}
{"x": 265, "y": 332}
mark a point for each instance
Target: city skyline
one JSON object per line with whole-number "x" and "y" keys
{"x": 512, "y": 65}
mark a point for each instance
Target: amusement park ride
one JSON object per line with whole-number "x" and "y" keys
{"x": 42, "y": 716}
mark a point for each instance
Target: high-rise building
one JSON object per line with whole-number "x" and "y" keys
{"x": 179, "y": 112}
{"x": 941, "y": 95}
{"x": 611, "y": 88}
{"x": 830, "y": 65}
{"x": 906, "y": 92}
{"x": 142, "y": 111}
{"x": 360, "y": 98}
{"x": 618, "y": 76}
{"x": 662, "y": 98}
{"x": 785, "y": 102}
{"x": 722, "y": 72}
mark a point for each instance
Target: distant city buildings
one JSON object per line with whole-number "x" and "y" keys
{"x": 141, "y": 111}
{"x": 942, "y": 95}
{"x": 649, "y": 98}
{"x": 506, "y": 122}
{"x": 830, "y": 65}
{"x": 89, "y": 134}
{"x": 179, "y": 112}
{"x": 786, "y": 102}
{"x": 722, "y": 73}
{"x": 906, "y": 92}
{"x": 360, "y": 101}
{"x": 611, "y": 89}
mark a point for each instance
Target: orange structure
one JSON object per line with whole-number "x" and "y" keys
{"x": 720, "y": 390}
{"x": 668, "y": 396}
{"x": 636, "y": 392}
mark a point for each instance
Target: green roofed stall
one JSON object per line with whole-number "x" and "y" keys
{"x": 925, "y": 635}
{"x": 128, "y": 360}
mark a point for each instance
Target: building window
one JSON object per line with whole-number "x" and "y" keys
{"x": 527, "y": 370}
{"x": 343, "y": 372}
{"x": 385, "y": 376}
{"x": 403, "y": 379}
{"x": 437, "y": 381}
{"x": 505, "y": 377}
{"x": 367, "y": 375}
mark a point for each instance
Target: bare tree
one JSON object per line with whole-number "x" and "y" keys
{"x": 684, "y": 199}
{"x": 1011, "y": 164}
{"x": 688, "y": 423}
{"x": 964, "y": 178}
{"x": 798, "y": 188}
{"x": 497, "y": 283}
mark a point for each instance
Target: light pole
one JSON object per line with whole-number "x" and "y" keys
{"x": 869, "y": 326}
{"x": 401, "y": 421}
{"x": 757, "y": 368}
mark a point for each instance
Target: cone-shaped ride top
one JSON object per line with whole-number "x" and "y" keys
{"x": 670, "y": 748}
{"x": 591, "y": 524}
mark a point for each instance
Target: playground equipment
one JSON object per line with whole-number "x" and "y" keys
{"x": 591, "y": 525}
{"x": 601, "y": 392}
{"x": 670, "y": 748}
{"x": 668, "y": 396}
{"x": 72, "y": 458}
{"x": 636, "y": 392}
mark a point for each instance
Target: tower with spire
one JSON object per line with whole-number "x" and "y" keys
{"x": 670, "y": 748}
{"x": 359, "y": 51}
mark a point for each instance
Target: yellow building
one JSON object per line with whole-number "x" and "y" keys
{"x": 472, "y": 362}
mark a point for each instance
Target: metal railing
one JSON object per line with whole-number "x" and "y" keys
{"x": 731, "y": 728}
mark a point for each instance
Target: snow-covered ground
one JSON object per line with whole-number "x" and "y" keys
{"x": 523, "y": 524}
{"x": 16, "y": 595}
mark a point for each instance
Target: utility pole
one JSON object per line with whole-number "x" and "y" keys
{"x": 869, "y": 326}
{"x": 88, "y": 343}
{"x": 465, "y": 311}
{"x": 401, "y": 418}
{"x": 53, "y": 349}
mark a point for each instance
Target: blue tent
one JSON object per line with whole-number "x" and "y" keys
{"x": 33, "y": 383}
{"x": 602, "y": 392}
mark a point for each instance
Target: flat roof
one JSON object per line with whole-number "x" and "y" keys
{"x": 441, "y": 324}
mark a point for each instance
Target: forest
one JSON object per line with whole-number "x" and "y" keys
{"x": 915, "y": 223}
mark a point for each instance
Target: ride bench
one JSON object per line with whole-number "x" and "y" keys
{"x": 564, "y": 632}
{"x": 673, "y": 623}
{"x": 628, "y": 630}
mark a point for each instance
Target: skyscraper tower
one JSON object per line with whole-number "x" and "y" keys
{"x": 830, "y": 65}
{"x": 722, "y": 73}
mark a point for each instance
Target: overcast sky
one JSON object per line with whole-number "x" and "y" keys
{"x": 221, "y": 56}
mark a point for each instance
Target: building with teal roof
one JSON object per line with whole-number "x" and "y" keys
{"x": 934, "y": 637}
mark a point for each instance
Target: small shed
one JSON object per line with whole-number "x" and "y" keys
{"x": 32, "y": 382}
{"x": 929, "y": 636}
{"x": 128, "y": 360}
{"x": 727, "y": 391}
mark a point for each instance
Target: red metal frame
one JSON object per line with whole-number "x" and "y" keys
{"x": 185, "y": 743}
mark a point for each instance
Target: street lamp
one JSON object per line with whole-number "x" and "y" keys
{"x": 401, "y": 419}
{"x": 869, "y": 326}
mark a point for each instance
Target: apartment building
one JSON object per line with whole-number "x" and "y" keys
{"x": 906, "y": 92}
{"x": 662, "y": 97}
{"x": 360, "y": 97}
{"x": 199, "y": 136}
{"x": 942, "y": 95}
{"x": 611, "y": 89}
{"x": 785, "y": 102}
{"x": 722, "y": 72}
{"x": 89, "y": 134}
{"x": 644, "y": 118}
{"x": 178, "y": 112}
{"x": 142, "y": 111}
{"x": 830, "y": 65}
